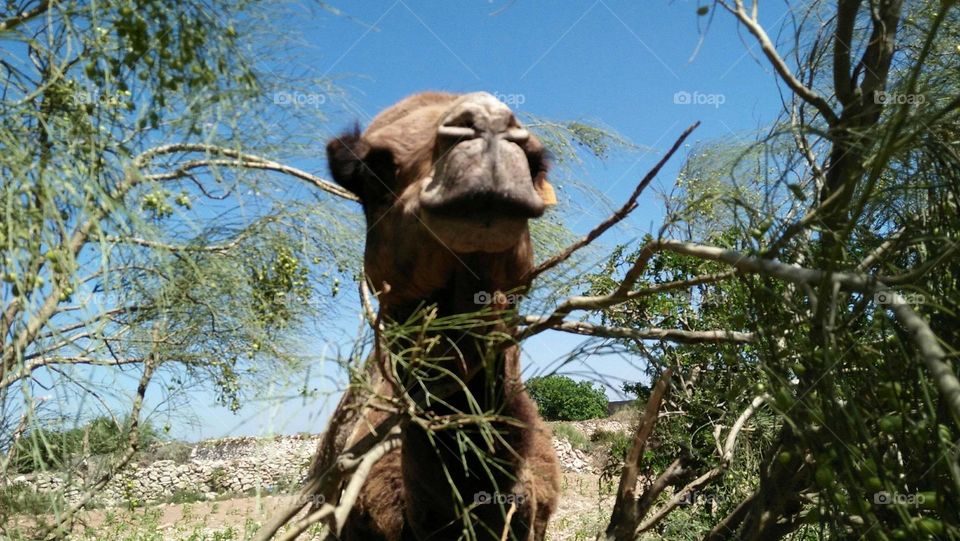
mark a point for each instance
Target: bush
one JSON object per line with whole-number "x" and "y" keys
{"x": 182, "y": 496}
{"x": 176, "y": 451}
{"x": 563, "y": 399}
{"x": 22, "y": 499}
{"x": 46, "y": 449}
{"x": 573, "y": 435}
{"x": 617, "y": 443}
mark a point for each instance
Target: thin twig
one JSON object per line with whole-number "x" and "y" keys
{"x": 726, "y": 457}
{"x": 670, "y": 335}
{"x": 58, "y": 529}
{"x": 770, "y": 51}
{"x": 341, "y": 511}
{"x": 22, "y": 17}
{"x": 243, "y": 159}
{"x": 617, "y": 216}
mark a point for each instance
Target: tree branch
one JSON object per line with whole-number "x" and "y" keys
{"x": 806, "y": 94}
{"x": 57, "y": 530}
{"x": 726, "y": 457}
{"x": 617, "y": 216}
{"x": 624, "y": 517}
{"x": 241, "y": 159}
{"x": 341, "y": 511}
{"x": 670, "y": 335}
{"x": 24, "y": 16}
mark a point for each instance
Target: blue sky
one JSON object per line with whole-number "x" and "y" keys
{"x": 616, "y": 63}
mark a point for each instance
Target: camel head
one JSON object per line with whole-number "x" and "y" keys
{"x": 448, "y": 183}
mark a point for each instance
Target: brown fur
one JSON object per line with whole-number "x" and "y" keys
{"x": 403, "y": 155}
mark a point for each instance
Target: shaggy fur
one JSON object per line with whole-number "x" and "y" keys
{"x": 477, "y": 243}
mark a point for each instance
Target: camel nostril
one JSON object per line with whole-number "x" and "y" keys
{"x": 516, "y": 135}
{"x": 457, "y": 132}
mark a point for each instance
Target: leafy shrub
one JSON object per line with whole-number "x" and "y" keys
{"x": 182, "y": 496}
{"x": 577, "y": 439}
{"x": 176, "y": 451}
{"x": 22, "y": 499}
{"x": 45, "y": 449}
{"x": 563, "y": 399}
{"x": 617, "y": 443}
{"x": 219, "y": 479}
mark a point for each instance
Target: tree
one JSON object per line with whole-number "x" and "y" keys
{"x": 563, "y": 399}
{"x": 144, "y": 241}
{"x": 847, "y": 385}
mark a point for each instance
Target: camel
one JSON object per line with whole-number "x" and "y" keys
{"x": 448, "y": 183}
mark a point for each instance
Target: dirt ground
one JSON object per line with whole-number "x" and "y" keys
{"x": 581, "y": 514}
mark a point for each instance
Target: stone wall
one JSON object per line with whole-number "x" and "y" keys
{"x": 229, "y": 465}
{"x": 235, "y": 465}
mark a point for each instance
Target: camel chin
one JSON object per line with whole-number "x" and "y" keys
{"x": 471, "y": 234}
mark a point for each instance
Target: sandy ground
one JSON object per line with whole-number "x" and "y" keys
{"x": 582, "y": 513}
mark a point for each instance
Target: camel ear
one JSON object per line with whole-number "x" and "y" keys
{"x": 345, "y": 156}
{"x": 545, "y": 189}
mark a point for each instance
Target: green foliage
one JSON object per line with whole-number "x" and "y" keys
{"x": 577, "y": 439}
{"x": 616, "y": 443}
{"x": 47, "y": 449}
{"x": 116, "y": 253}
{"x": 218, "y": 479}
{"x": 564, "y": 137}
{"x": 182, "y": 496}
{"x": 853, "y": 415}
{"x": 21, "y": 499}
{"x": 638, "y": 389}
{"x": 563, "y": 399}
{"x": 273, "y": 281}
{"x": 136, "y": 256}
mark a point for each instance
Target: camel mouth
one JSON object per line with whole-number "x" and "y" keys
{"x": 485, "y": 207}
{"x": 483, "y": 229}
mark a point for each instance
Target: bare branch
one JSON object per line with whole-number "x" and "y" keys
{"x": 670, "y": 335}
{"x": 58, "y": 529}
{"x": 681, "y": 284}
{"x": 25, "y": 16}
{"x": 806, "y": 94}
{"x": 881, "y": 251}
{"x": 931, "y": 351}
{"x": 624, "y": 517}
{"x": 341, "y": 511}
{"x": 933, "y": 354}
{"x": 225, "y": 247}
{"x": 726, "y": 457}
{"x": 617, "y": 216}
{"x": 331, "y": 462}
{"x": 241, "y": 159}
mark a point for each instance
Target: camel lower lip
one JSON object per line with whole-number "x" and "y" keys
{"x": 484, "y": 207}
{"x": 468, "y": 234}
